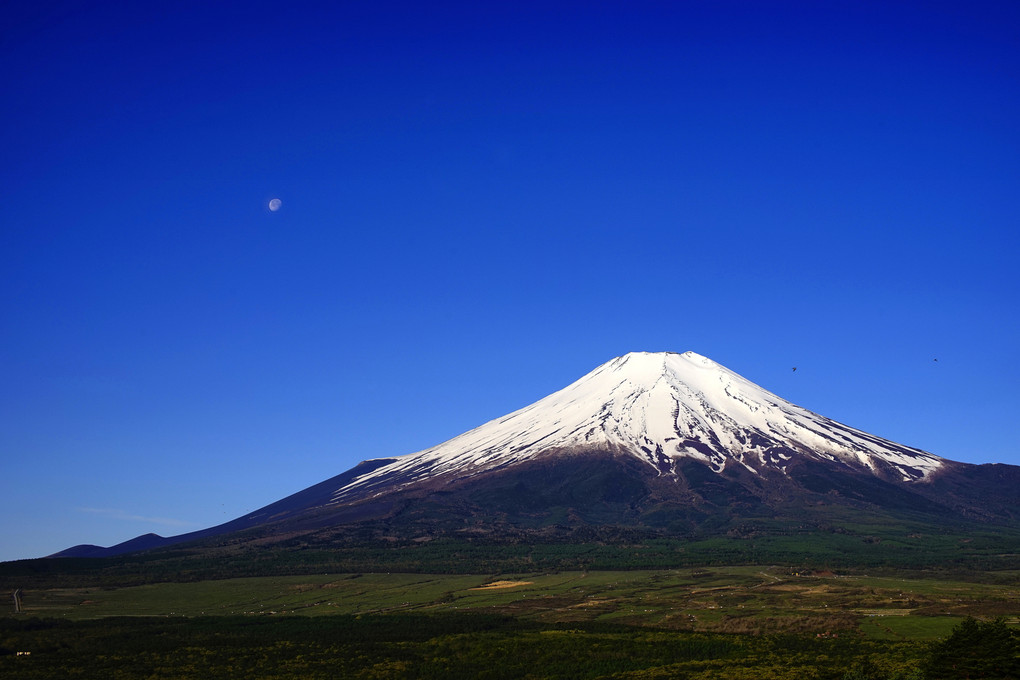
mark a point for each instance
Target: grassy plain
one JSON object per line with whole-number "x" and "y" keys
{"x": 744, "y": 599}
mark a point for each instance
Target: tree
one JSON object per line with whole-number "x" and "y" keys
{"x": 976, "y": 649}
{"x": 862, "y": 670}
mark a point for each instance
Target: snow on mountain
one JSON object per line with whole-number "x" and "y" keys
{"x": 659, "y": 407}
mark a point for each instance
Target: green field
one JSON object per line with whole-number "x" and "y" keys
{"x": 718, "y": 599}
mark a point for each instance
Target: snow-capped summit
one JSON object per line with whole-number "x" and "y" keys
{"x": 661, "y": 407}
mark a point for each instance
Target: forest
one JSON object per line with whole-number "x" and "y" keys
{"x": 483, "y": 646}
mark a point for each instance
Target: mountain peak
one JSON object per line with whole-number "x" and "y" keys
{"x": 661, "y": 407}
{"x": 639, "y": 356}
{"x": 647, "y": 367}
{"x": 673, "y": 362}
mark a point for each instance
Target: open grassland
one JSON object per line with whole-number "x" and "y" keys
{"x": 718, "y": 599}
{"x": 732, "y": 623}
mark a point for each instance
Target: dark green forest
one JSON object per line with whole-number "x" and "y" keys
{"x": 482, "y": 646}
{"x": 872, "y": 547}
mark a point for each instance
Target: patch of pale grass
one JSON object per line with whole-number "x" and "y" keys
{"x": 497, "y": 585}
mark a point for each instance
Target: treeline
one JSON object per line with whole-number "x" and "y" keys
{"x": 442, "y": 645}
{"x": 596, "y": 549}
{"x": 482, "y": 646}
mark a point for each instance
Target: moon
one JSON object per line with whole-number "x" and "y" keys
{"x": 275, "y": 204}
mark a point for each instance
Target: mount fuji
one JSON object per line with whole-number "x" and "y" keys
{"x": 661, "y": 443}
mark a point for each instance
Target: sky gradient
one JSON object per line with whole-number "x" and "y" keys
{"x": 478, "y": 206}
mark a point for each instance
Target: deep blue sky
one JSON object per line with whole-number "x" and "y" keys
{"x": 480, "y": 205}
